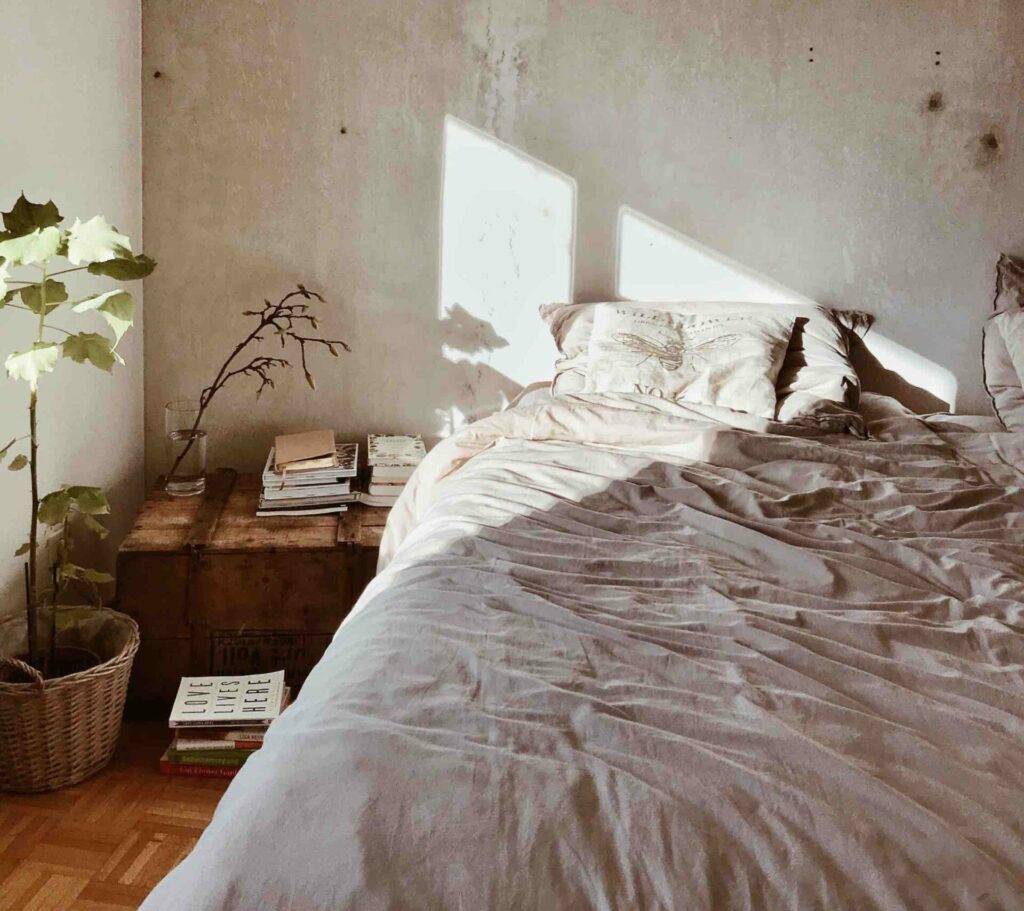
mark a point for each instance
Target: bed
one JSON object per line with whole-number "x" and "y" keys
{"x": 662, "y": 657}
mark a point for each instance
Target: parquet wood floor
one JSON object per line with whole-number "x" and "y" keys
{"x": 103, "y": 844}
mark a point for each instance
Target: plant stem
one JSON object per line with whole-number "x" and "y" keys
{"x": 32, "y": 608}
{"x": 283, "y": 318}
{"x": 58, "y": 587}
{"x": 32, "y": 617}
{"x": 27, "y": 310}
{"x": 207, "y": 394}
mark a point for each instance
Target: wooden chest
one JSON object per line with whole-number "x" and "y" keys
{"x": 216, "y": 590}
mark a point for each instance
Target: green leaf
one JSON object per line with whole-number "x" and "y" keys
{"x": 56, "y": 294}
{"x": 92, "y": 347}
{"x": 30, "y": 365}
{"x": 95, "y": 241}
{"x": 88, "y": 500}
{"x": 69, "y": 570}
{"x": 125, "y": 267}
{"x": 53, "y": 508}
{"x": 36, "y": 247}
{"x": 25, "y": 217}
{"x": 97, "y": 527}
{"x": 18, "y": 462}
{"x": 24, "y": 549}
{"x": 8, "y": 297}
{"x": 115, "y": 307}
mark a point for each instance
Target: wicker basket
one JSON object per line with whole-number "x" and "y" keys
{"x": 55, "y": 733}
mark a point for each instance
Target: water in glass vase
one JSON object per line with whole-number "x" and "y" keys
{"x": 186, "y": 449}
{"x": 189, "y": 477}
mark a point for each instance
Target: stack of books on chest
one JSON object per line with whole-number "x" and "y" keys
{"x": 392, "y": 460}
{"x": 219, "y": 722}
{"x": 308, "y": 474}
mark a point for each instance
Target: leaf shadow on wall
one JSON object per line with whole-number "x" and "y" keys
{"x": 508, "y": 226}
{"x": 474, "y": 387}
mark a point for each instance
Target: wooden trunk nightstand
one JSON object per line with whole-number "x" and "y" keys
{"x": 217, "y": 590}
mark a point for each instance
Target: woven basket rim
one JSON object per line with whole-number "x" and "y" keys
{"x": 80, "y": 678}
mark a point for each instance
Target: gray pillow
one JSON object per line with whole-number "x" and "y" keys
{"x": 1004, "y": 384}
{"x": 1009, "y": 283}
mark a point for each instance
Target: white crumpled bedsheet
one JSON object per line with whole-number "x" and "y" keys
{"x": 625, "y": 659}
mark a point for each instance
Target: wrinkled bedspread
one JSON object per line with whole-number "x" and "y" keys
{"x": 627, "y": 659}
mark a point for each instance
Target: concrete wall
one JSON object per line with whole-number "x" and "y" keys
{"x": 863, "y": 153}
{"x": 72, "y": 108}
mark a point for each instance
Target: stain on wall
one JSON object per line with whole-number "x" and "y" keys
{"x": 705, "y": 116}
{"x": 988, "y": 150}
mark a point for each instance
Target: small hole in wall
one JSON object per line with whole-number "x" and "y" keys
{"x": 936, "y": 102}
{"x": 343, "y": 130}
{"x": 157, "y": 74}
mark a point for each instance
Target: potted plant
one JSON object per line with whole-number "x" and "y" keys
{"x": 61, "y": 700}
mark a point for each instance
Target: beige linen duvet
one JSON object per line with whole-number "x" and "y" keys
{"x": 647, "y": 659}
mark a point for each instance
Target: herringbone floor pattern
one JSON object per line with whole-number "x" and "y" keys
{"x": 102, "y": 845}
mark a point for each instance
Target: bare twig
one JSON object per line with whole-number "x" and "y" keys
{"x": 282, "y": 319}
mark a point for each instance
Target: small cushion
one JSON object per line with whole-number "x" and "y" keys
{"x": 1003, "y": 362}
{"x": 1009, "y": 284}
{"x": 1011, "y": 328}
{"x": 1003, "y": 332}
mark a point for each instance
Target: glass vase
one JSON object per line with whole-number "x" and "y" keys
{"x": 185, "y": 444}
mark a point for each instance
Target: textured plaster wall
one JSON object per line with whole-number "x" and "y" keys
{"x": 72, "y": 108}
{"x": 304, "y": 141}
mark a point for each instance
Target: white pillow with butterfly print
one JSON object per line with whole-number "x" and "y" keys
{"x": 730, "y": 360}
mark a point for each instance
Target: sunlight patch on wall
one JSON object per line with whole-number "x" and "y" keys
{"x": 507, "y": 238}
{"x": 920, "y": 375}
{"x": 657, "y": 263}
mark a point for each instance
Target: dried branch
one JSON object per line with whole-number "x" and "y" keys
{"x": 284, "y": 320}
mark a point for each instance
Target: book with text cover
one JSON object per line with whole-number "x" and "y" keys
{"x": 394, "y": 451}
{"x": 234, "y": 758}
{"x": 218, "y": 739}
{"x": 194, "y": 770}
{"x": 236, "y": 701}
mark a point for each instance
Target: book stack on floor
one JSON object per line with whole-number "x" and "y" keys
{"x": 392, "y": 461}
{"x": 219, "y": 722}
{"x": 308, "y": 474}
